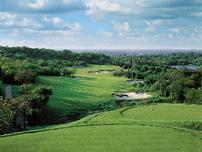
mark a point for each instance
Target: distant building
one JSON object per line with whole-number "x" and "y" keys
{"x": 188, "y": 67}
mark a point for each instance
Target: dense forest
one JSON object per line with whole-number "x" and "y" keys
{"x": 22, "y": 64}
{"x": 159, "y": 73}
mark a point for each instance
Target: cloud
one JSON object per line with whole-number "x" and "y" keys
{"x": 59, "y": 23}
{"x": 54, "y": 20}
{"x": 176, "y": 30}
{"x": 153, "y": 24}
{"x": 11, "y": 20}
{"x": 146, "y": 9}
{"x": 122, "y": 27}
{"x": 106, "y": 34}
{"x": 101, "y": 6}
{"x": 41, "y": 6}
{"x": 38, "y": 4}
{"x": 197, "y": 14}
{"x": 143, "y": 21}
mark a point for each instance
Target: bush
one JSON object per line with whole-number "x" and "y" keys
{"x": 193, "y": 96}
{"x": 25, "y": 76}
{"x": 6, "y": 117}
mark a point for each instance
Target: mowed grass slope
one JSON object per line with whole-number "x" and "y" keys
{"x": 110, "y": 132}
{"x": 159, "y": 113}
{"x": 74, "y": 94}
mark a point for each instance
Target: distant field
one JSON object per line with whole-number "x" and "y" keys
{"x": 72, "y": 95}
{"x": 117, "y": 131}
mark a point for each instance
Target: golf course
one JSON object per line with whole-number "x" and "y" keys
{"x": 151, "y": 127}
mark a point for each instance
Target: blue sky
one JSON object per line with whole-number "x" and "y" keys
{"x": 102, "y": 24}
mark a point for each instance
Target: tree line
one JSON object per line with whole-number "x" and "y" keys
{"x": 178, "y": 85}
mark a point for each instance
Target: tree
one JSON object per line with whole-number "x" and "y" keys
{"x": 25, "y": 76}
{"x": 34, "y": 99}
{"x": 194, "y": 96}
{"x": 67, "y": 72}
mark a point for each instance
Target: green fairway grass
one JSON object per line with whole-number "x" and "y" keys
{"x": 161, "y": 113}
{"x": 71, "y": 95}
{"x": 109, "y": 132}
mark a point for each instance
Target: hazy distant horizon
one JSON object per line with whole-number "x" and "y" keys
{"x": 122, "y": 51}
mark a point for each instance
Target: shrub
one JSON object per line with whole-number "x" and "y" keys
{"x": 6, "y": 117}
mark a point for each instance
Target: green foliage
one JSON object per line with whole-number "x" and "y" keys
{"x": 36, "y": 96}
{"x": 182, "y": 86}
{"x": 21, "y": 64}
{"x": 6, "y": 117}
{"x": 25, "y": 76}
{"x": 65, "y": 56}
{"x": 194, "y": 96}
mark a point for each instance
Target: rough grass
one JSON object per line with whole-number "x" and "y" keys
{"x": 110, "y": 132}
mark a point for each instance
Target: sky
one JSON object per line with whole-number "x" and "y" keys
{"x": 102, "y": 24}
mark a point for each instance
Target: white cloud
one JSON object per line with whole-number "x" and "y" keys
{"x": 27, "y": 23}
{"x": 7, "y": 18}
{"x": 75, "y": 26}
{"x": 106, "y": 34}
{"x": 101, "y": 6}
{"x": 54, "y": 20}
{"x": 122, "y": 27}
{"x": 150, "y": 29}
{"x": 37, "y": 4}
{"x": 57, "y": 21}
{"x": 176, "y": 30}
{"x": 153, "y": 24}
{"x": 10, "y": 20}
{"x": 156, "y": 22}
{"x": 61, "y": 24}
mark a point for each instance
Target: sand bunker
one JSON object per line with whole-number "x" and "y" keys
{"x": 131, "y": 96}
{"x": 101, "y": 72}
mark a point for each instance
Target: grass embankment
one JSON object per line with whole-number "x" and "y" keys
{"x": 133, "y": 129}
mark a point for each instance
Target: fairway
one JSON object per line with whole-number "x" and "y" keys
{"x": 72, "y": 95}
{"x": 116, "y": 131}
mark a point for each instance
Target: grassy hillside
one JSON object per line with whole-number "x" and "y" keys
{"x": 73, "y": 95}
{"x": 160, "y": 113}
{"x": 117, "y": 131}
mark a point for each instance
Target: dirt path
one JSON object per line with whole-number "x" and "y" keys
{"x": 8, "y": 91}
